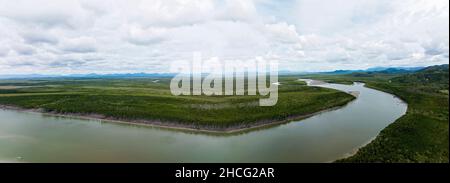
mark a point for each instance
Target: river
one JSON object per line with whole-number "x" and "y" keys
{"x": 34, "y": 137}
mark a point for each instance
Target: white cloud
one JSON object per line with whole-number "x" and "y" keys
{"x": 23, "y": 49}
{"x": 37, "y": 37}
{"x": 79, "y": 45}
{"x": 4, "y": 50}
{"x": 373, "y": 33}
{"x": 82, "y": 36}
{"x": 283, "y": 32}
{"x": 151, "y": 35}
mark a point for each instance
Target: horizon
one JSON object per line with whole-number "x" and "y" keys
{"x": 170, "y": 74}
{"x": 82, "y": 37}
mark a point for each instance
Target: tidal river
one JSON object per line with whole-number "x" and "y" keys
{"x": 33, "y": 137}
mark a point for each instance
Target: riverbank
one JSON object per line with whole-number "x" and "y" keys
{"x": 426, "y": 127}
{"x": 421, "y": 135}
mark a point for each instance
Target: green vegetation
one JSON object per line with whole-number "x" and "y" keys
{"x": 150, "y": 99}
{"x": 422, "y": 134}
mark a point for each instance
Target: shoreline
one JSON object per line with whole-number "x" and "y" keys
{"x": 354, "y": 150}
{"x": 171, "y": 125}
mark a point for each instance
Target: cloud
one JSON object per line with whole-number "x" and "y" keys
{"x": 24, "y": 50}
{"x": 373, "y": 33}
{"x": 83, "y": 36}
{"x": 152, "y": 35}
{"x": 46, "y": 13}
{"x": 283, "y": 32}
{"x": 36, "y": 37}
{"x": 4, "y": 51}
{"x": 72, "y": 63}
{"x": 79, "y": 45}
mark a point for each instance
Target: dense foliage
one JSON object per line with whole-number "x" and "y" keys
{"x": 150, "y": 99}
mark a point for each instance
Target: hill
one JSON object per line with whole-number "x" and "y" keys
{"x": 430, "y": 75}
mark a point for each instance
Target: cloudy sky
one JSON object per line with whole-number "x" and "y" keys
{"x": 114, "y": 36}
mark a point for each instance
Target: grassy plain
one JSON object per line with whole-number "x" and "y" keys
{"x": 150, "y": 99}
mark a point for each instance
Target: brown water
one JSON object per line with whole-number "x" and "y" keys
{"x": 32, "y": 137}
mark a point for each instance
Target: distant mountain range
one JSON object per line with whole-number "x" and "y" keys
{"x": 386, "y": 70}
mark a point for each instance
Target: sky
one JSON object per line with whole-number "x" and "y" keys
{"x": 129, "y": 36}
